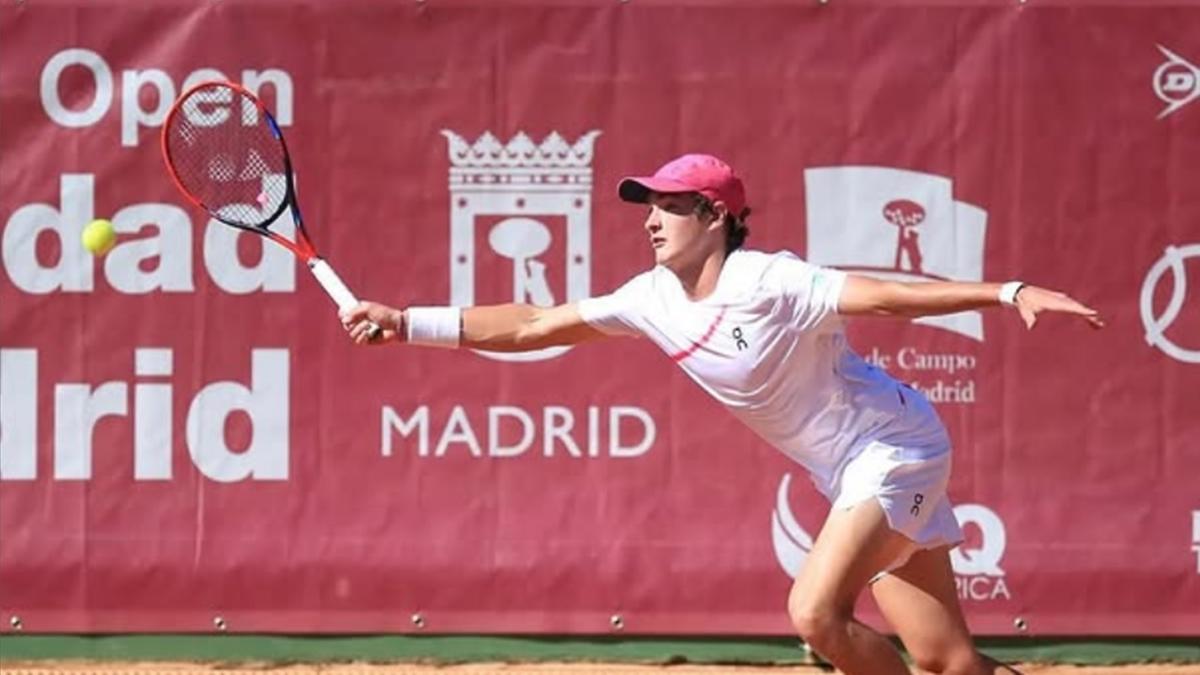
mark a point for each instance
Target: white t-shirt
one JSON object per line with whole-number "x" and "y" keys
{"x": 769, "y": 345}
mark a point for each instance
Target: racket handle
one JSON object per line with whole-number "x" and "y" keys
{"x": 337, "y": 290}
{"x": 332, "y": 284}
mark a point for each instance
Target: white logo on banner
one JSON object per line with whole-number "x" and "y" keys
{"x": 896, "y": 224}
{"x": 977, "y": 571}
{"x": 523, "y": 183}
{"x": 1176, "y": 82}
{"x": 1172, "y": 259}
{"x": 1196, "y": 538}
{"x": 792, "y": 542}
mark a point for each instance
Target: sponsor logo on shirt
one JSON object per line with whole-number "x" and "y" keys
{"x": 739, "y": 337}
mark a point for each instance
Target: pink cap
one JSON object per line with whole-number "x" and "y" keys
{"x": 690, "y": 173}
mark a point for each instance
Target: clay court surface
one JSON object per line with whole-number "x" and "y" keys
{"x": 119, "y": 668}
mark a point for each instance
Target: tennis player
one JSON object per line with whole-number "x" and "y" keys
{"x": 762, "y": 333}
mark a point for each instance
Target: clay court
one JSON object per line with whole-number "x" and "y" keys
{"x": 180, "y": 668}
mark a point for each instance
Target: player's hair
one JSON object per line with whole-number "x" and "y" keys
{"x": 736, "y": 229}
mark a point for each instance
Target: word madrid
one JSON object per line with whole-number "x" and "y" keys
{"x": 146, "y": 407}
{"x": 511, "y": 431}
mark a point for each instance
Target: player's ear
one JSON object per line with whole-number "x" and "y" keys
{"x": 720, "y": 212}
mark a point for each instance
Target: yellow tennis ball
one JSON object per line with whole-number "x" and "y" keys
{"x": 99, "y": 236}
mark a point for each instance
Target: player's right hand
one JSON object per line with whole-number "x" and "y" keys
{"x": 357, "y": 322}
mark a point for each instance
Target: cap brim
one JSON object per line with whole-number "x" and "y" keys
{"x": 637, "y": 189}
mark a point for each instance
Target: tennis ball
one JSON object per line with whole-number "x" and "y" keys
{"x": 99, "y": 236}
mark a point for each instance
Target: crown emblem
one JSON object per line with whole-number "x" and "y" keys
{"x": 520, "y": 163}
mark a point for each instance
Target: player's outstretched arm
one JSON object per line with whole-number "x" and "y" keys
{"x": 499, "y": 328}
{"x": 519, "y": 328}
{"x": 872, "y": 297}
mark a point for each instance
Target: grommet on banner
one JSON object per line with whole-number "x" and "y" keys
{"x": 1020, "y": 625}
{"x": 219, "y": 623}
{"x": 418, "y": 621}
{"x": 15, "y": 622}
{"x": 617, "y": 622}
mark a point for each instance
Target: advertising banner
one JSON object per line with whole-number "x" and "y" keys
{"x": 189, "y": 441}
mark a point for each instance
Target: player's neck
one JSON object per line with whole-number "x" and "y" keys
{"x": 699, "y": 278}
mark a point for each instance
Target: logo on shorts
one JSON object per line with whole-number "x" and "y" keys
{"x": 1196, "y": 538}
{"x": 896, "y": 224}
{"x": 1176, "y": 82}
{"x": 520, "y": 223}
{"x": 915, "y": 509}
{"x": 977, "y": 572}
{"x": 1156, "y": 326}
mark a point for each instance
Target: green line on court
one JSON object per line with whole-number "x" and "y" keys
{"x": 1092, "y": 651}
{"x": 462, "y": 649}
{"x": 382, "y": 648}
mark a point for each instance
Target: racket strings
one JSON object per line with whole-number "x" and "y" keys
{"x": 226, "y": 157}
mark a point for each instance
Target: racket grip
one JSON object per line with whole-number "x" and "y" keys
{"x": 332, "y": 284}
{"x": 337, "y": 290}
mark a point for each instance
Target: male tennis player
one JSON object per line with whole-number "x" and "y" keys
{"x": 760, "y": 332}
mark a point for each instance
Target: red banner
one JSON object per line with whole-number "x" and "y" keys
{"x": 188, "y": 441}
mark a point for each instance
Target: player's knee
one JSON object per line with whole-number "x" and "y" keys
{"x": 819, "y": 627}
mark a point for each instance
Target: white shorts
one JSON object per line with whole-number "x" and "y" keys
{"x": 907, "y": 472}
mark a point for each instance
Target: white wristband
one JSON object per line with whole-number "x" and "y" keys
{"x": 1008, "y": 292}
{"x": 434, "y": 326}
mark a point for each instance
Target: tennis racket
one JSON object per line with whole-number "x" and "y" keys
{"x": 226, "y": 154}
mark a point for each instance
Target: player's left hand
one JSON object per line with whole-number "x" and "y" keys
{"x": 1032, "y": 300}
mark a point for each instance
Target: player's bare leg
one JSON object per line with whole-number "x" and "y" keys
{"x": 919, "y": 600}
{"x": 853, "y": 546}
